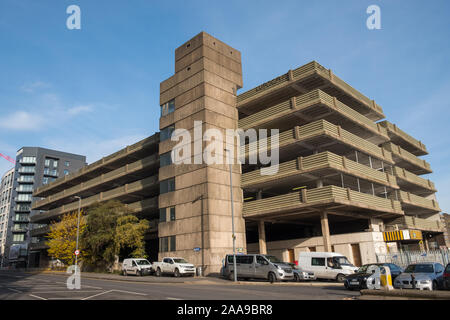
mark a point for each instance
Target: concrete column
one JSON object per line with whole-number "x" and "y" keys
{"x": 325, "y": 231}
{"x": 262, "y": 237}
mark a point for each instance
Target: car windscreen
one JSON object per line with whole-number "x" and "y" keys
{"x": 447, "y": 269}
{"x": 363, "y": 269}
{"x": 343, "y": 261}
{"x": 419, "y": 268}
{"x": 180, "y": 261}
{"x": 273, "y": 259}
{"x": 142, "y": 262}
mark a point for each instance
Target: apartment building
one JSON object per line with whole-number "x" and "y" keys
{"x": 34, "y": 167}
{"x": 128, "y": 175}
{"x": 6, "y": 186}
{"x": 348, "y": 181}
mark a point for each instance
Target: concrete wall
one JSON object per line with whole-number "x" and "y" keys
{"x": 370, "y": 244}
{"x": 208, "y": 73}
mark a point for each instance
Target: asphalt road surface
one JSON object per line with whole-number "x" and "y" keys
{"x": 27, "y": 286}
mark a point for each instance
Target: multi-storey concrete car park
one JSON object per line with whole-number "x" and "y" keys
{"x": 347, "y": 182}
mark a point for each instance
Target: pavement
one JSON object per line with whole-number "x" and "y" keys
{"x": 52, "y": 286}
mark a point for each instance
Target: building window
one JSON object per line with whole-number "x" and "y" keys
{"x": 162, "y": 215}
{"x": 165, "y": 159}
{"x": 166, "y": 133}
{"x": 47, "y": 163}
{"x": 19, "y": 237}
{"x": 28, "y": 160}
{"x": 67, "y": 163}
{"x": 172, "y": 244}
{"x": 166, "y": 186}
{"x": 66, "y": 172}
{"x": 167, "y": 244}
{"x": 164, "y": 244}
{"x": 172, "y": 214}
{"x": 55, "y": 163}
{"x": 45, "y": 180}
{"x": 167, "y": 108}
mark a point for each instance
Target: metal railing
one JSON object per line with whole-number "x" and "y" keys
{"x": 405, "y": 258}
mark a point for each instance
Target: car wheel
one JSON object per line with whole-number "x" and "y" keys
{"x": 340, "y": 277}
{"x": 124, "y": 272}
{"x": 158, "y": 272}
{"x": 231, "y": 276}
{"x": 434, "y": 286}
{"x": 272, "y": 277}
{"x": 140, "y": 273}
{"x": 296, "y": 278}
{"x": 176, "y": 273}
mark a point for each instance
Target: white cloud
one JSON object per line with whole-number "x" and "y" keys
{"x": 32, "y": 87}
{"x": 22, "y": 120}
{"x": 79, "y": 109}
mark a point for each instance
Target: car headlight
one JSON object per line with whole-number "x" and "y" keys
{"x": 425, "y": 281}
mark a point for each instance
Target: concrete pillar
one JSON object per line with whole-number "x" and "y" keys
{"x": 262, "y": 237}
{"x": 325, "y": 231}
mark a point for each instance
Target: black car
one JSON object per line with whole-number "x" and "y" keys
{"x": 447, "y": 277}
{"x": 358, "y": 279}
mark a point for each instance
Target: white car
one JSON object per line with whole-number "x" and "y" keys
{"x": 139, "y": 267}
{"x": 175, "y": 266}
{"x": 326, "y": 265}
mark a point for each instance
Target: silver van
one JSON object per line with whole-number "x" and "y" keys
{"x": 256, "y": 266}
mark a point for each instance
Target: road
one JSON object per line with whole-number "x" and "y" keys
{"x": 43, "y": 286}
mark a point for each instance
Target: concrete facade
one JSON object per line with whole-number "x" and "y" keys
{"x": 347, "y": 182}
{"x": 207, "y": 76}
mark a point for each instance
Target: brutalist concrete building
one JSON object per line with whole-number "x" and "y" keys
{"x": 347, "y": 181}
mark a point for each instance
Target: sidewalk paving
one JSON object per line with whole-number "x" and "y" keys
{"x": 186, "y": 280}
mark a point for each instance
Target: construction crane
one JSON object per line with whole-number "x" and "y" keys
{"x": 8, "y": 158}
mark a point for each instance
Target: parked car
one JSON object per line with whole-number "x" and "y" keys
{"x": 257, "y": 266}
{"x": 301, "y": 274}
{"x": 357, "y": 281}
{"x": 326, "y": 265}
{"x": 139, "y": 267}
{"x": 175, "y": 266}
{"x": 423, "y": 276}
{"x": 447, "y": 277}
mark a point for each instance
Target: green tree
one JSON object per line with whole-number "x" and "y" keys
{"x": 111, "y": 228}
{"x": 62, "y": 237}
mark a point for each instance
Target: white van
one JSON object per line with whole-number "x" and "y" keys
{"x": 139, "y": 267}
{"x": 326, "y": 265}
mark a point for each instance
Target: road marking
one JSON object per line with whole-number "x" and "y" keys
{"x": 169, "y": 298}
{"x": 66, "y": 291}
{"x": 96, "y": 295}
{"x": 18, "y": 291}
{"x": 34, "y": 296}
{"x": 141, "y": 294}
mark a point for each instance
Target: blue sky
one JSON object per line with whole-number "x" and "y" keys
{"x": 95, "y": 90}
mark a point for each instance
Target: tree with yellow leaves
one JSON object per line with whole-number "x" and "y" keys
{"x": 62, "y": 237}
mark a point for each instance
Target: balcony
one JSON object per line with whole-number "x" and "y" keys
{"x": 312, "y": 106}
{"x": 326, "y": 198}
{"x": 40, "y": 231}
{"x": 401, "y": 138}
{"x": 412, "y": 183}
{"x": 38, "y": 246}
{"x": 407, "y": 222}
{"x": 314, "y": 167}
{"x": 407, "y": 160}
{"x": 142, "y": 148}
{"x": 412, "y": 203}
{"x": 27, "y": 170}
{"x": 19, "y": 228}
{"x": 21, "y": 219}
{"x": 22, "y": 208}
{"x": 90, "y": 186}
{"x": 321, "y": 134}
{"x": 23, "y": 199}
{"x": 303, "y": 79}
{"x": 25, "y": 179}
{"x": 135, "y": 207}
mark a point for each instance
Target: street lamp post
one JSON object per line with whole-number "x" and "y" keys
{"x": 232, "y": 218}
{"x": 78, "y": 231}
{"x": 202, "y": 230}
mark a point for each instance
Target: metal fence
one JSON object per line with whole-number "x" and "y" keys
{"x": 403, "y": 259}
